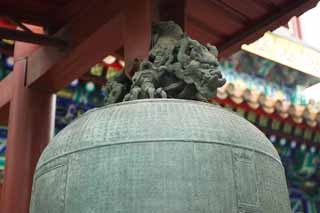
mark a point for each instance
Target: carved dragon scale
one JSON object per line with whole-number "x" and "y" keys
{"x": 177, "y": 67}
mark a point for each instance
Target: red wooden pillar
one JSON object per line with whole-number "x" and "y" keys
{"x": 169, "y": 10}
{"x": 29, "y": 131}
{"x": 136, "y": 32}
{"x": 137, "y": 29}
{"x": 138, "y": 17}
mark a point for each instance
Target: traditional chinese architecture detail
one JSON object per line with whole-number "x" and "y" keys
{"x": 177, "y": 67}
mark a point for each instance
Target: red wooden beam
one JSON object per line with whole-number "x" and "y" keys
{"x": 231, "y": 12}
{"x": 92, "y": 35}
{"x": 214, "y": 17}
{"x": 25, "y": 15}
{"x": 274, "y": 20}
{"x": 6, "y": 24}
{"x": 31, "y": 37}
{"x": 6, "y": 90}
{"x": 19, "y": 24}
{"x": 204, "y": 26}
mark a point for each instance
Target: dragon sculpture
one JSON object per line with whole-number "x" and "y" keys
{"x": 177, "y": 67}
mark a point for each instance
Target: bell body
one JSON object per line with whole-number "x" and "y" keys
{"x": 160, "y": 156}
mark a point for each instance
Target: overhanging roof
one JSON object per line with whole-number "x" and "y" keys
{"x": 224, "y": 23}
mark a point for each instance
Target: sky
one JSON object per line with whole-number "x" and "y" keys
{"x": 311, "y": 36}
{"x": 310, "y": 27}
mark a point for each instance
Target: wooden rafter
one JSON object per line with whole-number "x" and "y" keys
{"x": 26, "y": 36}
{"x": 91, "y": 38}
{"x": 19, "y": 24}
{"x": 271, "y": 22}
{"x": 230, "y": 11}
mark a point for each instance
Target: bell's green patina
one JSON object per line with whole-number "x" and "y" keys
{"x": 160, "y": 155}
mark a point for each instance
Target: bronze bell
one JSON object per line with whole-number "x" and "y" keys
{"x": 160, "y": 156}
